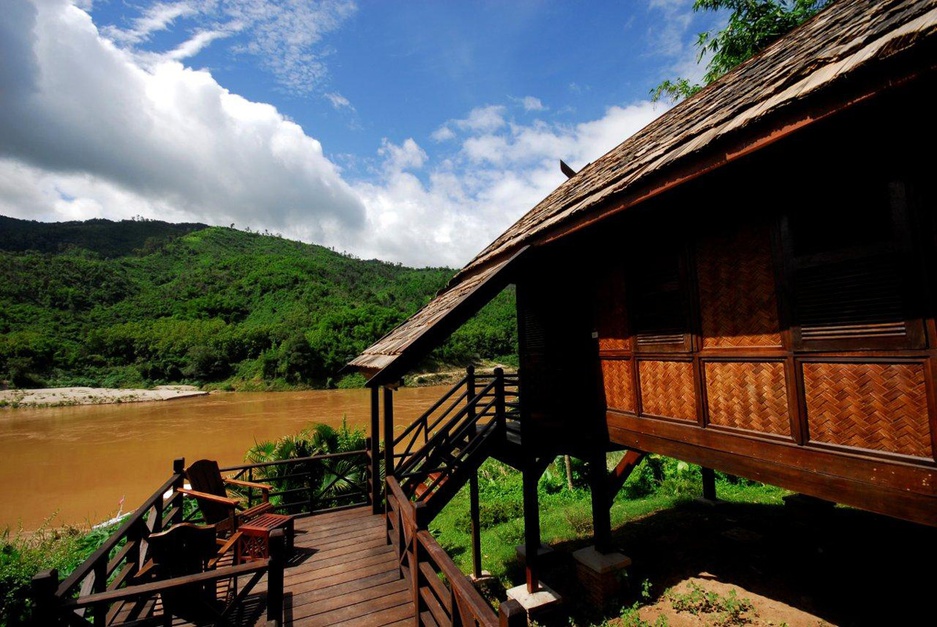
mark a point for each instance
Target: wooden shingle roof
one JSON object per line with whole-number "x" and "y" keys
{"x": 849, "y": 52}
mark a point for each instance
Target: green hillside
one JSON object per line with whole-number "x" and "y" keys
{"x": 137, "y": 303}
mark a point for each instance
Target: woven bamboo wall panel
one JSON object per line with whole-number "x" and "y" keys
{"x": 667, "y": 389}
{"x": 738, "y": 307}
{"x": 619, "y": 384}
{"x": 882, "y": 407}
{"x": 750, "y": 396}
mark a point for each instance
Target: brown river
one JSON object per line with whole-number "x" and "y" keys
{"x": 80, "y": 465}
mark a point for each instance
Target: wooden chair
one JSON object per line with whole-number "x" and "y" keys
{"x": 184, "y": 550}
{"x": 210, "y": 490}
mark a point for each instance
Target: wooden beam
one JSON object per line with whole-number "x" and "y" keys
{"x": 621, "y": 473}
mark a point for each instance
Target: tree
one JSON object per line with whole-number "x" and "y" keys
{"x": 751, "y": 27}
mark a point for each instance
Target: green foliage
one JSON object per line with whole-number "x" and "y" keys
{"x": 24, "y": 555}
{"x": 146, "y": 303}
{"x": 752, "y": 26}
{"x": 312, "y": 480}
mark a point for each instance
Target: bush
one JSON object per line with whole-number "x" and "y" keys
{"x": 24, "y": 555}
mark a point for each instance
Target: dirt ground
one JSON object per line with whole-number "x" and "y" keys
{"x": 802, "y": 564}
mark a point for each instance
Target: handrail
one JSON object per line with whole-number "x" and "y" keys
{"x": 443, "y": 434}
{"x": 451, "y": 599}
{"x": 135, "y": 519}
{"x": 315, "y": 495}
{"x": 102, "y": 577}
{"x": 462, "y": 395}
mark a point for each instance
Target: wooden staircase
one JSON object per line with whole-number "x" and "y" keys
{"x": 472, "y": 428}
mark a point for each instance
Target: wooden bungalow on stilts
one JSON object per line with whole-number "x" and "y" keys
{"x": 746, "y": 284}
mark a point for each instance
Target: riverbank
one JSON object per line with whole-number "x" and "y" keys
{"x": 60, "y": 397}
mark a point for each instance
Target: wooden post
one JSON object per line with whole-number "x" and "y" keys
{"x": 418, "y": 603}
{"x": 601, "y": 512}
{"x": 178, "y": 469}
{"x": 531, "y": 526}
{"x": 43, "y": 589}
{"x": 476, "y": 526}
{"x": 709, "y": 484}
{"x": 511, "y": 614}
{"x": 275, "y": 569}
{"x": 388, "y": 431}
{"x": 375, "y": 450}
{"x": 499, "y": 398}
{"x": 470, "y": 395}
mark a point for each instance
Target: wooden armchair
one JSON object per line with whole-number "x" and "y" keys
{"x": 185, "y": 554}
{"x": 210, "y": 490}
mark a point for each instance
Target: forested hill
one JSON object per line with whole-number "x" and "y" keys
{"x": 139, "y": 302}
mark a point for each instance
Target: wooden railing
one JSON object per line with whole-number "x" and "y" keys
{"x": 473, "y": 393}
{"x": 94, "y": 592}
{"x": 441, "y": 593}
{"x": 309, "y": 485}
{"x": 98, "y": 589}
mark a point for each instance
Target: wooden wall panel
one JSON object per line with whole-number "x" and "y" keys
{"x": 738, "y": 306}
{"x": 748, "y": 395}
{"x": 611, "y": 319}
{"x": 619, "y": 384}
{"x": 877, "y": 406}
{"x": 667, "y": 389}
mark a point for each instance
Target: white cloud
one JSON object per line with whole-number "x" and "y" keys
{"x": 487, "y": 118}
{"x": 469, "y": 198}
{"x": 339, "y": 101}
{"x": 532, "y": 104}
{"x": 155, "y": 18}
{"x": 442, "y": 134}
{"x": 196, "y": 44}
{"x": 284, "y": 36}
{"x": 90, "y": 129}
{"x": 86, "y": 131}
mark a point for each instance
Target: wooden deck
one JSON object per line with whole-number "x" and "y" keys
{"x": 343, "y": 572}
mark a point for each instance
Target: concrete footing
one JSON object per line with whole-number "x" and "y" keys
{"x": 600, "y": 574}
{"x": 537, "y": 604}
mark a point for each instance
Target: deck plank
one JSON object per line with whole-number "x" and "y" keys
{"x": 343, "y": 573}
{"x": 346, "y": 573}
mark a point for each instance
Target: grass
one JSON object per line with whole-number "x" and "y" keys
{"x": 566, "y": 519}
{"x": 23, "y": 555}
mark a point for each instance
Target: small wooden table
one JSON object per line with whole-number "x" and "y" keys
{"x": 255, "y": 536}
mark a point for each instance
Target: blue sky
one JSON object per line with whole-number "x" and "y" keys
{"x": 413, "y": 132}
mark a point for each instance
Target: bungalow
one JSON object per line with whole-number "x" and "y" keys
{"x": 746, "y": 284}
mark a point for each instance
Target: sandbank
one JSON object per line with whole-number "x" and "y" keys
{"x": 57, "y": 397}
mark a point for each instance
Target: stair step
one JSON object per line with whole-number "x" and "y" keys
{"x": 423, "y": 487}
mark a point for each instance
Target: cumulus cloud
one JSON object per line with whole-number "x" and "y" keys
{"x": 85, "y": 128}
{"x": 90, "y": 127}
{"x": 463, "y": 202}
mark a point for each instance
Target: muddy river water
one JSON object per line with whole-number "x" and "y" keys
{"x": 80, "y": 465}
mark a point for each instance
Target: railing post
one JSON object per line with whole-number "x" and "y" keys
{"x": 388, "y": 431}
{"x": 275, "y": 569}
{"x": 470, "y": 392}
{"x": 178, "y": 469}
{"x": 499, "y": 397}
{"x": 311, "y": 501}
{"x": 375, "y": 448}
{"x": 45, "y": 604}
{"x": 476, "y": 526}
